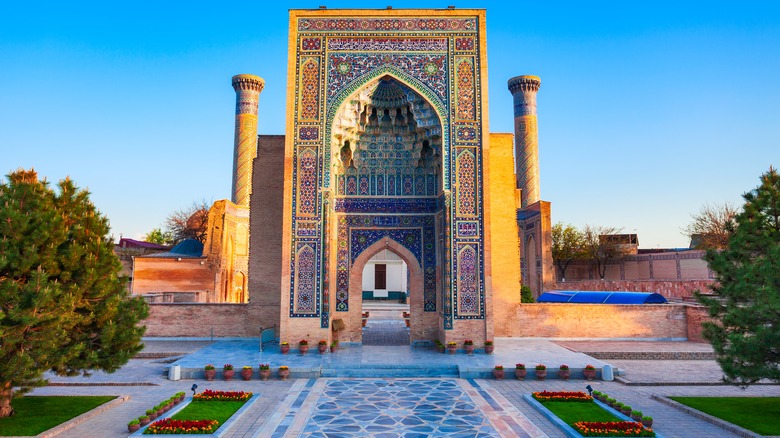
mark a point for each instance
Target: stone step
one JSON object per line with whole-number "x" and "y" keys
{"x": 390, "y": 371}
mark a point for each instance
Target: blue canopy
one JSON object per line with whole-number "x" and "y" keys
{"x": 598, "y": 297}
{"x": 188, "y": 248}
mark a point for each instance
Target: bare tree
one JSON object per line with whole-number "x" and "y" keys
{"x": 189, "y": 223}
{"x": 602, "y": 245}
{"x": 712, "y": 226}
{"x": 567, "y": 244}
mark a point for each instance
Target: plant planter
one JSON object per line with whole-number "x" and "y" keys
{"x": 647, "y": 424}
{"x": 637, "y": 418}
{"x": 589, "y": 374}
{"x": 228, "y": 374}
{"x": 246, "y": 374}
{"x": 264, "y": 374}
{"x": 489, "y": 349}
{"x": 364, "y": 322}
{"x": 440, "y": 348}
{"x": 153, "y": 416}
{"x": 469, "y": 348}
{"x": 144, "y": 421}
{"x": 210, "y": 374}
{"x": 452, "y": 350}
{"x": 408, "y": 323}
{"x": 160, "y": 413}
{"x": 285, "y": 348}
{"x": 520, "y": 374}
{"x": 303, "y": 349}
{"x": 498, "y": 374}
{"x": 541, "y": 374}
{"x": 322, "y": 348}
{"x": 564, "y": 374}
{"x": 284, "y": 374}
{"x": 133, "y": 427}
{"x": 333, "y": 349}
{"x": 625, "y": 411}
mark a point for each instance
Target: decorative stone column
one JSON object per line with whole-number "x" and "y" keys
{"x": 248, "y": 88}
{"x": 523, "y": 89}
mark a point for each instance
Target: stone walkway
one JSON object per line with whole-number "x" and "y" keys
{"x": 401, "y": 407}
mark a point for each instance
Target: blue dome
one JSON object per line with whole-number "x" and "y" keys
{"x": 188, "y": 248}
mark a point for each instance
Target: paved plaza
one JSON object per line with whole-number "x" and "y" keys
{"x": 404, "y": 406}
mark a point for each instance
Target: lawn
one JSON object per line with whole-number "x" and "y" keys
{"x": 36, "y": 414}
{"x": 209, "y": 410}
{"x": 572, "y": 412}
{"x": 758, "y": 414}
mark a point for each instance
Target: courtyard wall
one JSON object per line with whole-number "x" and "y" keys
{"x": 671, "y": 289}
{"x": 199, "y": 320}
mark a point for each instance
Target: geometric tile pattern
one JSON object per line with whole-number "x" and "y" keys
{"x": 396, "y": 408}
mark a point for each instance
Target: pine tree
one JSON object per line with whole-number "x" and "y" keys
{"x": 746, "y": 304}
{"x": 63, "y": 305}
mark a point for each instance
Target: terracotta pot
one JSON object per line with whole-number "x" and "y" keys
{"x": 589, "y": 374}
{"x": 228, "y": 374}
{"x": 210, "y": 374}
{"x": 284, "y": 374}
{"x": 625, "y": 411}
{"x": 322, "y": 348}
{"x": 145, "y": 421}
{"x": 647, "y": 424}
{"x": 636, "y": 418}
{"x": 160, "y": 412}
{"x": 441, "y": 348}
{"x": 133, "y": 427}
{"x": 152, "y": 416}
{"x": 169, "y": 406}
{"x": 333, "y": 348}
{"x": 176, "y": 401}
{"x": 541, "y": 374}
{"x": 246, "y": 374}
{"x": 407, "y": 322}
{"x": 303, "y": 349}
{"x": 520, "y": 374}
{"x": 452, "y": 350}
{"x": 564, "y": 374}
{"x": 285, "y": 348}
{"x": 489, "y": 349}
{"x": 264, "y": 374}
{"x": 364, "y": 322}
{"x": 498, "y": 374}
{"x": 469, "y": 348}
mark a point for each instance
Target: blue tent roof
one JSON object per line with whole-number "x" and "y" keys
{"x": 188, "y": 248}
{"x": 597, "y": 297}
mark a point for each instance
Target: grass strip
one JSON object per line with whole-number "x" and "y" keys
{"x": 36, "y": 414}
{"x": 571, "y": 413}
{"x": 758, "y": 414}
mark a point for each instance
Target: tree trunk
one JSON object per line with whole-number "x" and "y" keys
{"x": 6, "y": 393}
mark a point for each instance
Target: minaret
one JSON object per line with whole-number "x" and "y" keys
{"x": 248, "y": 88}
{"x": 523, "y": 89}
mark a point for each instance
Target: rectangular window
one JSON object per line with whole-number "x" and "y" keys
{"x": 380, "y": 276}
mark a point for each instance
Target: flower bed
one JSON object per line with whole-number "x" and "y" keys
{"x": 170, "y": 426}
{"x": 209, "y": 395}
{"x": 567, "y": 396}
{"x": 611, "y": 428}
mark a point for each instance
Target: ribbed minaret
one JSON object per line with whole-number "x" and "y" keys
{"x": 523, "y": 89}
{"x": 248, "y": 88}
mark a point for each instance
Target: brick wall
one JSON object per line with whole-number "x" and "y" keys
{"x": 695, "y": 316}
{"x": 671, "y": 289}
{"x": 600, "y": 321}
{"x": 504, "y": 244}
{"x": 158, "y": 274}
{"x": 198, "y": 320}
{"x": 677, "y": 265}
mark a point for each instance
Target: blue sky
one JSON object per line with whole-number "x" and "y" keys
{"x": 646, "y": 111}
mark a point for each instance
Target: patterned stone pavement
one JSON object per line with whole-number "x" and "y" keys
{"x": 342, "y": 407}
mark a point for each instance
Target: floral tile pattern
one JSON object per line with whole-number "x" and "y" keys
{"x": 396, "y": 408}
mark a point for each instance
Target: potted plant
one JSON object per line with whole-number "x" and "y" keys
{"x": 498, "y": 372}
{"x": 611, "y": 402}
{"x": 322, "y": 346}
{"x": 564, "y": 372}
{"x": 159, "y": 409}
{"x": 626, "y": 410}
{"x": 541, "y": 372}
{"x": 439, "y": 346}
{"x": 144, "y": 420}
{"x": 600, "y": 396}
{"x": 209, "y": 372}
{"x": 636, "y": 415}
{"x": 407, "y": 322}
{"x": 520, "y": 371}
{"x": 334, "y": 346}
{"x": 589, "y": 372}
{"x": 406, "y": 315}
{"x": 452, "y": 347}
{"x": 489, "y": 347}
{"x": 647, "y": 421}
{"x": 364, "y": 322}
{"x": 303, "y": 346}
{"x": 365, "y": 314}
{"x": 468, "y": 345}
{"x": 133, "y": 425}
{"x": 246, "y": 372}
{"x": 265, "y": 371}
{"x": 285, "y": 347}
{"x": 228, "y": 372}
{"x": 284, "y": 372}
{"x": 618, "y": 406}
{"x": 152, "y": 414}
{"x": 180, "y": 395}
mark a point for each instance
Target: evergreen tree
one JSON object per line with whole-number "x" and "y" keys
{"x": 63, "y": 305}
{"x": 745, "y": 306}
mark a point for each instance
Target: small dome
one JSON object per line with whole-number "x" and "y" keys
{"x": 388, "y": 94}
